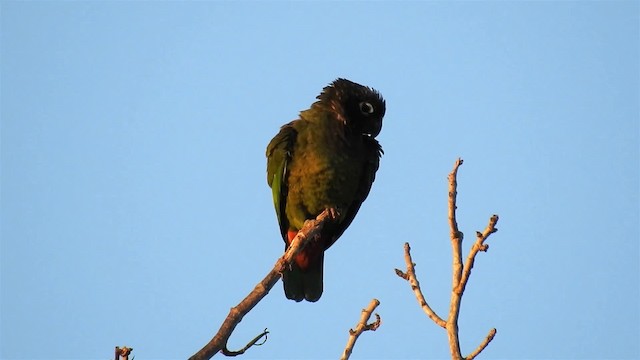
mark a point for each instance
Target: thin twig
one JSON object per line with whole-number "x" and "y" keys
{"x": 411, "y": 277}
{"x": 478, "y": 246}
{"x": 227, "y": 352}
{"x": 309, "y": 232}
{"x": 482, "y": 345}
{"x": 361, "y": 327}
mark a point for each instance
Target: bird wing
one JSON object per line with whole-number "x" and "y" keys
{"x": 373, "y": 152}
{"x": 279, "y": 152}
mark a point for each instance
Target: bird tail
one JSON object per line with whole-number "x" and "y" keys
{"x": 303, "y": 279}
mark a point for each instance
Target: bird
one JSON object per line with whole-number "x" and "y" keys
{"x": 326, "y": 159}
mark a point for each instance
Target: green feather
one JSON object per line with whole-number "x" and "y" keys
{"x": 279, "y": 153}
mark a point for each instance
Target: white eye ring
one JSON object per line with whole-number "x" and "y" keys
{"x": 366, "y": 108}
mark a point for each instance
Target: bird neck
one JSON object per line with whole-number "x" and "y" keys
{"x": 329, "y": 124}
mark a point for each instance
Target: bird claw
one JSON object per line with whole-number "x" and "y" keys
{"x": 334, "y": 213}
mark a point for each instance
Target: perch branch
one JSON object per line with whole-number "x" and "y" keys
{"x": 361, "y": 327}
{"x": 309, "y": 232}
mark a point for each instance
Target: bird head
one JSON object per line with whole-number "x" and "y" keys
{"x": 360, "y": 108}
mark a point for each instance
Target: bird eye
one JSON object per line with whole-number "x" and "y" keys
{"x": 366, "y": 108}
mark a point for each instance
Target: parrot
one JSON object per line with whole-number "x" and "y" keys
{"x": 326, "y": 159}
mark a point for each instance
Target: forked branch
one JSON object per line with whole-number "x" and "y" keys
{"x": 460, "y": 273}
{"x": 361, "y": 327}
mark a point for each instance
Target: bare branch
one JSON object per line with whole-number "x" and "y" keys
{"x": 309, "y": 232}
{"x": 411, "y": 277}
{"x": 460, "y": 273}
{"x": 361, "y": 327}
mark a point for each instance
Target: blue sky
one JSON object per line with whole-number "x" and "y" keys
{"x": 135, "y": 209}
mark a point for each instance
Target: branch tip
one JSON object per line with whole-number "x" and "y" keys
{"x": 483, "y": 344}
{"x": 402, "y": 274}
{"x": 376, "y": 324}
{"x": 122, "y": 353}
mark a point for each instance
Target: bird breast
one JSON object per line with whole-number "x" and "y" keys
{"x": 325, "y": 172}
